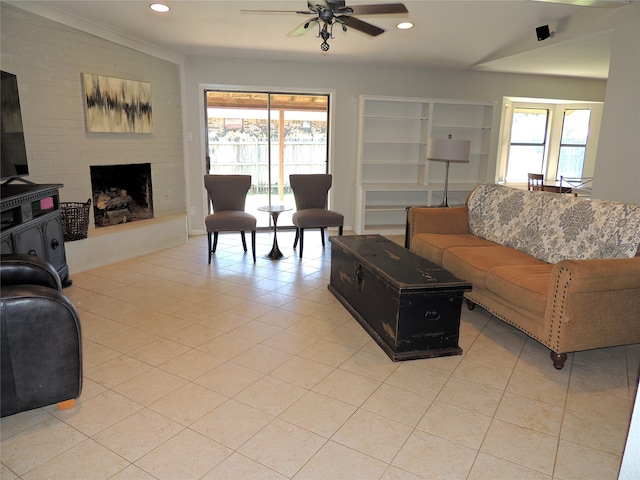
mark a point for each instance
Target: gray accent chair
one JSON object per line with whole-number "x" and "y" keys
{"x": 228, "y": 194}
{"x": 40, "y": 337}
{"x": 311, "y": 192}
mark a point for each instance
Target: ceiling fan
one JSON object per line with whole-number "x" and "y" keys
{"x": 327, "y": 13}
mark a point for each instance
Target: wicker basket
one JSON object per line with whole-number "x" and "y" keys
{"x": 75, "y": 220}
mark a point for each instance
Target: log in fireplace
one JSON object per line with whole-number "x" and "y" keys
{"x": 121, "y": 193}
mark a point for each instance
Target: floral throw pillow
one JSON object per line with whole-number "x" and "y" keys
{"x": 554, "y": 227}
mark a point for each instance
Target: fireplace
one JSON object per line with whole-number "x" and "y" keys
{"x": 121, "y": 193}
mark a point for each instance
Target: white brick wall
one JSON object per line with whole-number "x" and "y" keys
{"x": 48, "y": 59}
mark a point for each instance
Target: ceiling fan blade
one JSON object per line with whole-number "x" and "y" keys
{"x": 302, "y": 28}
{"x": 381, "y": 9}
{"x": 591, "y": 3}
{"x": 364, "y": 27}
{"x": 279, "y": 12}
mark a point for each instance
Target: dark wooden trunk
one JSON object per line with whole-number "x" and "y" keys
{"x": 410, "y": 306}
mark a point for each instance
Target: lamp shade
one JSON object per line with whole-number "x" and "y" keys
{"x": 448, "y": 150}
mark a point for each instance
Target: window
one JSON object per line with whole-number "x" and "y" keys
{"x": 573, "y": 145}
{"x": 528, "y": 140}
{"x": 552, "y": 137}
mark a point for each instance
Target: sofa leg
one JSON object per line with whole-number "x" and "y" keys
{"x": 558, "y": 359}
{"x": 67, "y": 404}
{"x": 470, "y": 304}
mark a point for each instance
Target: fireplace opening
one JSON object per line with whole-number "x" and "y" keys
{"x": 121, "y": 193}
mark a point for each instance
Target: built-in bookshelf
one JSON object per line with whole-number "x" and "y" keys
{"x": 392, "y": 171}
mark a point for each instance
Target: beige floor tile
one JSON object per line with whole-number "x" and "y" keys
{"x": 490, "y": 467}
{"x": 350, "y": 334}
{"x": 226, "y": 346}
{"x": 38, "y": 444}
{"x": 195, "y": 334}
{"x": 228, "y": 378}
{"x": 577, "y": 462}
{"x": 398, "y": 404}
{"x": 283, "y": 447}
{"x": 335, "y": 461}
{"x": 191, "y": 364}
{"x": 186, "y": 455}
{"x": 262, "y": 358}
{"x": 99, "y": 412}
{"x": 88, "y": 456}
{"x": 456, "y": 424}
{"x": 270, "y": 395}
{"x": 520, "y": 445}
{"x": 280, "y": 318}
{"x": 302, "y": 372}
{"x": 138, "y": 434}
{"x": 329, "y": 353}
{"x": 7, "y": 474}
{"x": 490, "y": 350}
{"x": 529, "y": 413}
{"x": 373, "y": 435}
{"x": 589, "y": 431}
{"x": 318, "y": 413}
{"x": 484, "y": 373}
{"x": 375, "y": 365}
{"x": 232, "y": 423}
{"x": 315, "y": 327}
{"x": 290, "y": 342}
{"x": 93, "y": 354}
{"x": 14, "y": 424}
{"x": 187, "y": 404}
{"x": 433, "y": 457}
{"x": 158, "y": 351}
{"x": 418, "y": 380}
{"x": 153, "y": 385}
{"x": 163, "y": 325}
{"x": 538, "y": 387}
{"x": 132, "y": 473}
{"x": 241, "y": 467}
{"x": 471, "y": 396}
{"x": 347, "y": 387}
{"x": 395, "y": 473}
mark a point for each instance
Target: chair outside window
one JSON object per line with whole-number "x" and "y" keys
{"x": 535, "y": 181}
{"x": 227, "y": 194}
{"x": 310, "y": 192}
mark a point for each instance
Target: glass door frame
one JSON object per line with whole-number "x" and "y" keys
{"x": 329, "y": 94}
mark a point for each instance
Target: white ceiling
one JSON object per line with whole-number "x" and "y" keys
{"x": 485, "y": 35}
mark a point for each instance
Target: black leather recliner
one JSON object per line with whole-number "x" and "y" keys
{"x": 41, "y": 346}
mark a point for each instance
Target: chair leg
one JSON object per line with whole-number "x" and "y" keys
{"x": 244, "y": 241}
{"x": 340, "y": 230}
{"x": 301, "y": 240}
{"x": 322, "y": 236}
{"x": 209, "y": 245}
{"x": 215, "y": 242}
{"x": 253, "y": 245}
{"x": 295, "y": 242}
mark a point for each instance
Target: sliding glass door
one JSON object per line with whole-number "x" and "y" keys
{"x": 268, "y": 136}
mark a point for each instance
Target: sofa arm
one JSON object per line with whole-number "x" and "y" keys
{"x": 40, "y": 347}
{"x": 23, "y": 269}
{"x": 452, "y": 220}
{"x": 594, "y": 304}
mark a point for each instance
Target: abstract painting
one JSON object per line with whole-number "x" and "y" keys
{"x": 117, "y": 105}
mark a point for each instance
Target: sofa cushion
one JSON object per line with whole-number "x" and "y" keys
{"x": 433, "y": 245}
{"x": 473, "y": 263}
{"x": 554, "y": 227}
{"x": 526, "y": 286}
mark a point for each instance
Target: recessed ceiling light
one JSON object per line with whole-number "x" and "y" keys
{"x": 159, "y": 7}
{"x": 404, "y": 26}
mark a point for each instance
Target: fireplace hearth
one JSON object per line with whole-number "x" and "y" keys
{"x": 121, "y": 193}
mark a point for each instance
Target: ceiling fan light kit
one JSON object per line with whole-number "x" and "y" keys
{"x": 327, "y": 13}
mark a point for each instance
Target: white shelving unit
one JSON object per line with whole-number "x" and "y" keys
{"x": 392, "y": 172}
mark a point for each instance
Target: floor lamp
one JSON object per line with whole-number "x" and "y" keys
{"x": 448, "y": 150}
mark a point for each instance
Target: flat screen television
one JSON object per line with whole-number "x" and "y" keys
{"x": 13, "y": 150}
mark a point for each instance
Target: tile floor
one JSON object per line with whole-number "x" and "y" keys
{"x": 243, "y": 371}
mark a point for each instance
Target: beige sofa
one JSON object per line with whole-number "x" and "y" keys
{"x": 564, "y": 270}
